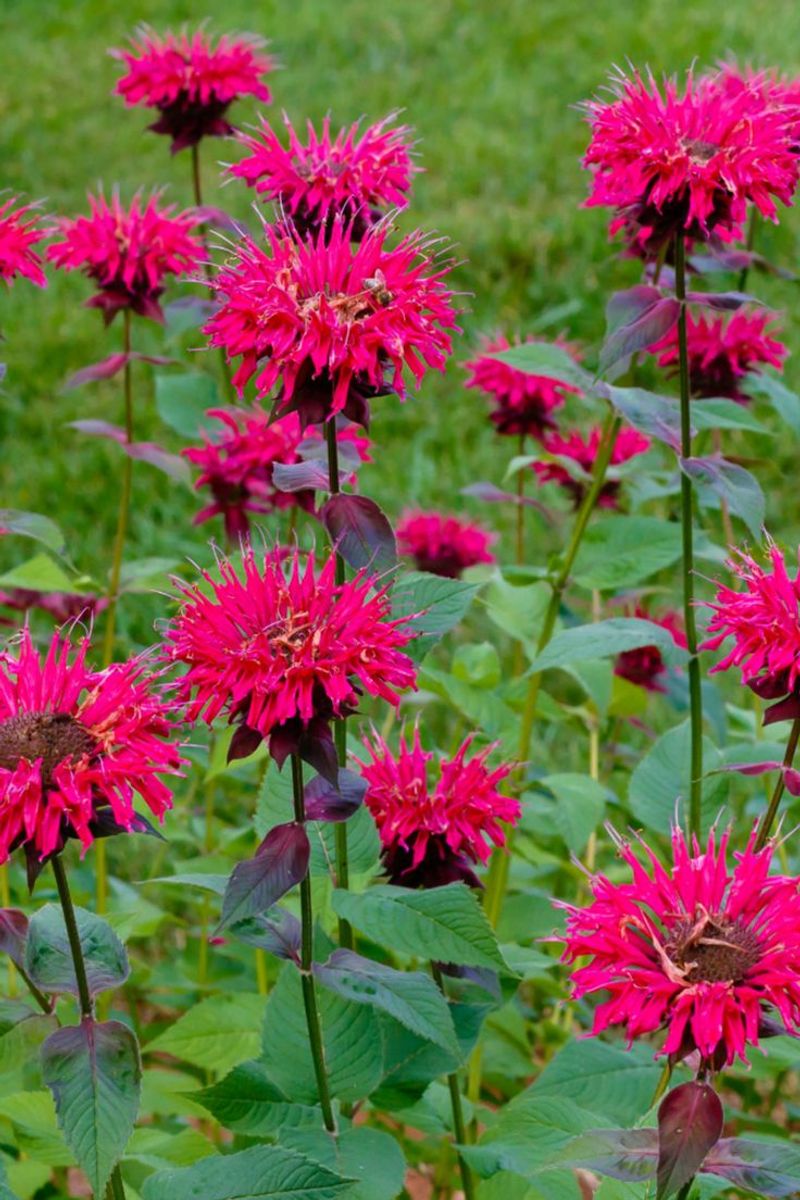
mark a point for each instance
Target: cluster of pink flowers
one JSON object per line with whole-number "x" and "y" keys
{"x": 76, "y": 745}
{"x": 333, "y": 323}
{"x": 191, "y": 81}
{"x": 433, "y": 836}
{"x": 582, "y": 451}
{"x": 128, "y": 252}
{"x": 443, "y": 544}
{"x": 355, "y": 175}
{"x": 723, "y": 352}
{"x": 693, "y": 949}
{"x": 19, "y": 233}
{"x": 522, "y": 404}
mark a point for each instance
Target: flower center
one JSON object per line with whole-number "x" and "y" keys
{"x": 52, "y": 737}
{"x": 713, "y": 949}
{"x": 700, "y": 151}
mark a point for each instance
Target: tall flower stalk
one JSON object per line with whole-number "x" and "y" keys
{"x": 123, "y": 514}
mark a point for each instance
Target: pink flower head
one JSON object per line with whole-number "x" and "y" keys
{"x": 356, "y": 175}
{"x": 697, "y": 950}
{"x": 723, "y": 352}
{"x": 284, "y": 653}
{"x": 331, "y": 321}
{"x": 523, "y": 404}
{"x": 62, "y": 606}
{"x": 645, "y": 665}
{"x": 443, "y": 544}
{"x": 431, "y": 836}
{"x": 191, "y": 81}
{"x": 688, "y": 161}
{"x": 238, "y": 461}
{"x": 76, "y": 745}
{"x": 583, "y": 452}
{"x": 19, "y": 233}
{"x": 769, "y": 85}
{"x": 764, "y": 622}
{"x": 128, "y": 252}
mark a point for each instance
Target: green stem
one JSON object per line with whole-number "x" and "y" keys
{"x": 752, "y": 226}
{"x": 197, "y": 187}
{"x": 520, "y": 505}
{"x": 306, "y": 961}
{"x": 687, "y": 531}
{"x": 457, "y": 1106}
{"x": 346, "y": 939}
{"x": 770, "y": 814}
{"x": 124, "y": 499}
{"x": 116, "y": 1187}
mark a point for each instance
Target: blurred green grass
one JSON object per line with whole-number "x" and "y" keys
{"x": 491, "y": 89}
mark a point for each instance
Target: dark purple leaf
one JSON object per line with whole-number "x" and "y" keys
{"x": 317, "y": 748}
{"x": 13, "y": 932}
{"x": 300, "y": 476}
{"x": 787, "y": 709}
{"x": 491, "y": 494}
{"x": 210, "y": 215}
{"x": 657, "y": 416}
{"x": 104, "y": 824}
{"x": 690, "y": 1120}
{"x": 280, "y": 862}
{"x": 721, "y": 260}
{"x": 171, "y": 464}
{"x": 107, "y": 368}
{"x": 326, "y": 802}
{"x": 768, "y": 1168}
{"x": 791, "y": 778}
{"x": 100, "y": 429}
{"x": 636, "y": 318}
{"x": 721, "y": 301}
{"x": 731, "y": 483}
{"x": 276, "y": 931}
{"x": 244, "y": 742}
{"x": 360, "y": 532}
{"x": 630, "y": 1155}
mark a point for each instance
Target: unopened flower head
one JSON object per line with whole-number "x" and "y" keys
{"x": 192, "y": 81}
{"x": 358, "y": 175}
{"x": 434, "y": 833}
{"x": 443, "y": 544}
{"x": 128, "y": 252}
{"x": 522, "y": 404}
{"x": 696, "y": 949}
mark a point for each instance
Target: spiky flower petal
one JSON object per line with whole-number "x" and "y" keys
{"x": 522, "y": 404}
{"x": 19, "y": 233}
{"x": 582, "y": 452}
{"x": 443, "y": 544}
{"x": 722, "y": 352}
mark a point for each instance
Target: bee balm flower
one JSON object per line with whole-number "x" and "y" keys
{"x": 442, "y": 544}
{"x": 523, "y": 404}
{"x": 19, "y": 233}
{"x": 192, "y": 82}
{"x": 645, "y": 665}
{"x": 723, "y": 352}
{"x": 76, "y": 745}
{"x": 582, "y": 452}
{"x": 434, "y": 835}
{"x": 332, "y": 323}
{"x": 695, "y": 949}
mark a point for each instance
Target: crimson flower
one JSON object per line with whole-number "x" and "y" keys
{"x": 282, "y": 653}
{"x": 432, "y": 835}
{"x": 671, "y": 160}
{"x": 19, "y": 233}
{"x": 330, "y": 321}
{"x": 238, "y": 461}
{"x": 62, "y": 606}
{"x": 522, "y": 404}
{"x": 583, "y": 452}
{"x": 128, "y": 252}
{"x": 723, "y": 352}
{"x": 76, "y": 745}
{"x": 443, "y": 544}
{"x": 764, "y": 622}
{"x": 355, "y": 175}
{"x": 191, "y": 81}
{"x": 645, "y": 665}
{"x": 695, "y": 949}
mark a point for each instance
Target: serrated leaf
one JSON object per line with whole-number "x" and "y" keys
{"x": 623, "y": 551}
{"x": 260, "y": 1173}
{"x": 360, "y": 531}
{"x": 577, "y": 809}
{"x": 629, "y": 1155}
{"x": 636, "y": 318}
{"x": 247, "y": 1101}
{"x": 548, "y": 359}
{"x": 436, "y": 604}
{"x": 661, "y": 780}
{"x": 721, "y": 413}
{"x": 39, "y": 574}
{"x": 409, "y": 997}
{"x": 602, "y": 639}
{"x": 48, "y": 958}
{"x": 733, "y": 484}
{"x": 350, "y": 1034}
{"x": 656, "y": 416}
{"x": 94, "y": 1073}
{"x": 369, "y": 1156}
{"x": 280, "y": 862}
{"x": 217, "y": 1033}
{"x": 767, "y": 1167}
{"x": 445, "y": 924}
{"x": 33, "y": 525}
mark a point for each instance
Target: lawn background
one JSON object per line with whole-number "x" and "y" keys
{"x": 491, "y": 89}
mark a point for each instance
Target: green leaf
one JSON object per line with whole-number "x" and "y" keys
{"x": 369, "y": 1156}
{"x": 255, "y": 1174}
{"x": 22, "y": 1030}
{"x": 350, "y": 1034}
{"x": 247, "y": 1101}
{"x": 217, "y": 1033}
{"x": 601, "y": 639}
{"x": 656, "y": 416}
{"x": 732, "y": 483}
{"x": 719, "y": 413}
{"x": 182, "y": 401}
{"x": 35, "y": 526}
{"x": 409, "y": 997}
{"x": 545, "y": 358}
{"x": 785, "y": 402}
{"x": 483, "y": 708}
{"x": 441, "y": 604}
{"x": 146, "y": 574}
{"x": 767, "y": 1167}
{"x": 446, "y": 924}
{"x": 518, "y": 611}
{"x": 661, "y": 780}
{"x": 94, "y": 1073}
{"x": 5, "y": 1191}
{"x": 623, "y": 551}
{"x": 363, "y": 845}
{"x": 39, "y": 574}
{"x": 577, "y": 809}
{"x": 48, "y": 958}
{"x": 478, "y": 664}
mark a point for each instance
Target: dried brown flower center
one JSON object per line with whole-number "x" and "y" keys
{"x": 700, "y": 151}
{"x": 713, "y": 950}
{"x": 52, "y": 737}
